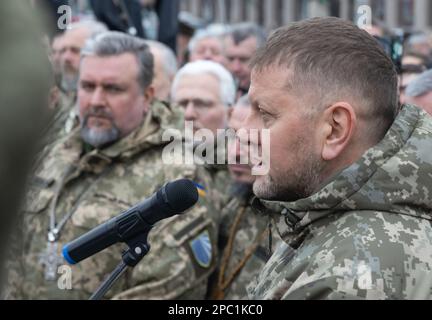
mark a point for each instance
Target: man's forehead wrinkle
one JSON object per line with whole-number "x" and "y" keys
{"x": 285, "y": 83}
{"x": 106, "y": 81}
{"x": 92, "y": 69}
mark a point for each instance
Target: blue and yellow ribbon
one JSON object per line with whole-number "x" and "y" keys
{"x": 201, "y": 190}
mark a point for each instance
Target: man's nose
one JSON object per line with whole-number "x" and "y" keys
{"x": 98, "y": 97}
{"x": 236, "y": 65}
{"x": 190, "y": 112}
{"x": 67, "y": 56}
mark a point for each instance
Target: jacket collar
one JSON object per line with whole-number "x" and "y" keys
{"x": 352, "y": 188}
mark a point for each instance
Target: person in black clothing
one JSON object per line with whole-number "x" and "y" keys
{"x": 120, "y": 15}
{"x": 167, "y": 11}
{"x": 126, "y": 16}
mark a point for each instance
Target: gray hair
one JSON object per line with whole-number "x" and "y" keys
{"x": 168, "y": 56}
{"x": 208, "y": 33}
{"x": 115, "y": 43}
{"x": 226, "y": 81}
{"x": 94, "y": 27}
{"x": 242, "y": 31}
{"x": 421, "y": 85}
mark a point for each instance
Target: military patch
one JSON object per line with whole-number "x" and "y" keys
{"x": 201, "y": 190}
{"x": 202, "y": 249}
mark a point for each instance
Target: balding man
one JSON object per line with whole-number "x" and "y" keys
{"x": 165, "y": 68}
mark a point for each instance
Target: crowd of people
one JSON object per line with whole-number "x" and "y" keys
{"x": 344, "y": 212}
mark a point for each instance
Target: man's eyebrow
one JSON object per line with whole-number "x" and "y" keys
{"x": 86, "y": 81}
{"x": 111, "y": 83}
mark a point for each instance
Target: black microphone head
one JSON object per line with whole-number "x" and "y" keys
{"x": 182, "y": 194}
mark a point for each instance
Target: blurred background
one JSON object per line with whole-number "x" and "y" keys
{"x": 407, "y": 14}
{"x": 174, "y": 22}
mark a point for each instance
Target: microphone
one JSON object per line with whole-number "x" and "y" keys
{"x": 173, "y": 198}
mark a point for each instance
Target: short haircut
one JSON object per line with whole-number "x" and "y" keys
{"x": 421, "y": 85}
{"x": 331, "y": 60}
{"x": 94, "y": 27}
{"x": 226, "y": 81}
{"x": 206, "y": 34}
{"x": 115, "y": 43}
{"x": 242, "y": 31}
{"x": 168, "y": 57}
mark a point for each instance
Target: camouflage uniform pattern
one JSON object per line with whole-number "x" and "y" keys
{"x": 64, "y": 116}
{"x": 63, "y": 119}
{"x": 365, "y": 235}
{"x": 246, "y": 243}
{"x": 218, "y": 178}
{"x": 97, "y": 185}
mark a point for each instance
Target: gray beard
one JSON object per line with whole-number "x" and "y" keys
{"x": 69, "y": 82}
{"x": 97, "y": 138}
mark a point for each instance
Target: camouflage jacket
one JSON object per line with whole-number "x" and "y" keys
{"x": 94, "y": 186}
{"x": 365, "y": 235}
{"x": 246, "y": 241}
{"x": 64, "y": 117}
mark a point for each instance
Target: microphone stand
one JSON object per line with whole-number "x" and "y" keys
{"x": 138, "y": 249}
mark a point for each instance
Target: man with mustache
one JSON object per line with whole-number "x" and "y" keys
{"x": 109, "y": 164}
{"x": 246, "y": 238}
{"x": 66, "y": 63}
{"x": 350, "y": 171}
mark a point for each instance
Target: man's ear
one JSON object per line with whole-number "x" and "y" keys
{"x": 149, "y": 95}
{"x": 338, "y": 127}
